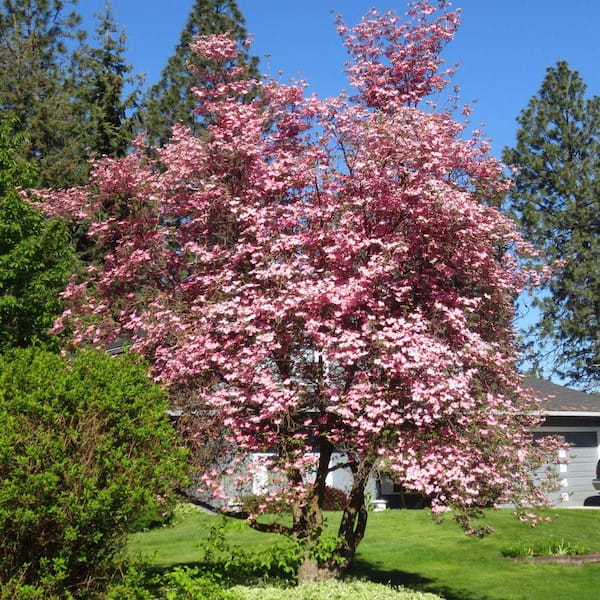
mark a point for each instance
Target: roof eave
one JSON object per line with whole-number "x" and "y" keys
{"x": 571, "y": 413}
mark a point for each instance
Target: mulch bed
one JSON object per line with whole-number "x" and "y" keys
{"x": 578, "y": 559}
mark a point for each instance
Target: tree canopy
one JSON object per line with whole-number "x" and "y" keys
{"x": 556, "y": 198}
{"x": 320, "y": 277}
{"x": 107, "y": 92}
{"x": 35, "y": 86}
{"x": 71, "y": 99}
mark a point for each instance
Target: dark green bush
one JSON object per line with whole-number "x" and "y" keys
{"x": 85, "y": 449}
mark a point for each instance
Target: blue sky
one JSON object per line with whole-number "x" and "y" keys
{"x": 503, "y": 46}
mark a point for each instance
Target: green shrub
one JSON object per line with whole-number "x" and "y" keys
{"x": 184, "y": 583}
{"x": 544, "y": 548}
{"x": 85, "y": 450}
{"x": 235, "y": 564}
{"x": 133, "y": 581}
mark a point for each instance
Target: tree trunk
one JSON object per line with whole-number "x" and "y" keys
{"x": 354, "y": 519}
{"x": 308, "y": 517}
{"x": 310, "y": 571}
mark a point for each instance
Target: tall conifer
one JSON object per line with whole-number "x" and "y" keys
{"x": 171, "y": 100}
{"x": 557, "y": 200}
{"x": 35, "y": 87}
{"x": 107, "y": 91}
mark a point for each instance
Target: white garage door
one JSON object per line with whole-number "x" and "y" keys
{"x": 577, "y": 475}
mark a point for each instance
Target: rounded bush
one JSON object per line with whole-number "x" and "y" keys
{"x": 85, "y": 449}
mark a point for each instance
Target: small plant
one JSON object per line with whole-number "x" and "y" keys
{"x": 185, "y": 583}
{"x": 235, "y": 564}
{"x": 132, "y": 583}
{"x": 323, "y": 550}
{"x": 544, "y": 548}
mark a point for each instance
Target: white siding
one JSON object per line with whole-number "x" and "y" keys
{"x": 576, "y": 476}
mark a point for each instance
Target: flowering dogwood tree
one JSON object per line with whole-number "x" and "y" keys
{"x": 324, "y": 276}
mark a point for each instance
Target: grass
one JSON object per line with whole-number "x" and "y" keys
{"x": 408, "y": 548}
{"x": 180, "y": 542}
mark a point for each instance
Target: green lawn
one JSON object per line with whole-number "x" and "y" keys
{"x": 408, "y": 548}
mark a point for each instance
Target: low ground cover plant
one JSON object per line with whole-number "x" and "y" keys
{"x": 544, "y": 548}
{"x": 185, "y": 583}
{"x": 333, "y": 590}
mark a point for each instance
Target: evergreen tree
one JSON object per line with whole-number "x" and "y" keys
{"x": 35, "y": 256}
{"x": 556, "y": 197}
{"x": 171, "y": 100}
{"x": 35, "y": 87}
{"x": 103, "y": 75}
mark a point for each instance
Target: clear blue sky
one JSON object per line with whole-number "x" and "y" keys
{"x": 503, "y": 46}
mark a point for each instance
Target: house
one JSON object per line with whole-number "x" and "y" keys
{"x": 568, "y": 413}
{"x": 575, "y": 416}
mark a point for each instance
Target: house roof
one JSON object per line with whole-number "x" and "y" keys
{"x": 560, "y": 400}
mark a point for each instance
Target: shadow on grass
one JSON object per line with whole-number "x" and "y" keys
{"x": 366, "y": 570}
{"x": 159, "y": 569}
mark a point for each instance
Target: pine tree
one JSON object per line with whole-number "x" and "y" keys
{"x": 35, "y": 87}
{"x": 556, "y": 197}
{"x": 103, "y": 76}
{"x": 171, "y": 100}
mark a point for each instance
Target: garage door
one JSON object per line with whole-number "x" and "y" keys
{"x": 576, "y": 476}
